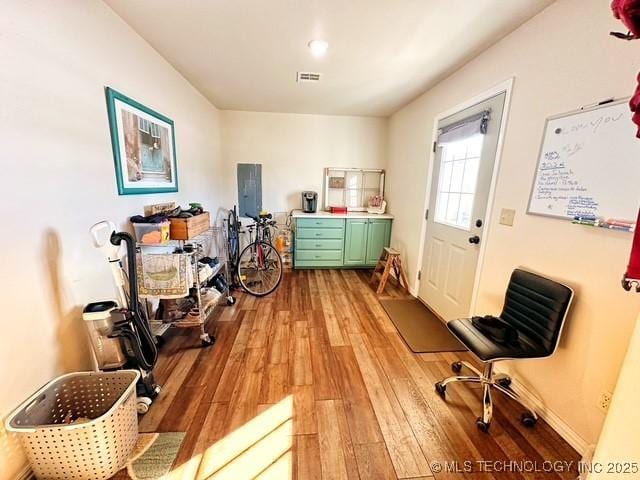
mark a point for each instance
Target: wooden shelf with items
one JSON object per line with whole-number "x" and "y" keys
{"x": 352, "y": 187}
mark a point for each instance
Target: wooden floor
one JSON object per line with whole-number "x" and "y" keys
{"x": 313, "y": 382}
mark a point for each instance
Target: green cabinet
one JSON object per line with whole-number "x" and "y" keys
{"x": 355, "y": 241}
{"x": 364, "y": 240}
{"x": 378, "y": 237}
{"x": 319, "y": 242}
{"x": 338, "y": 242}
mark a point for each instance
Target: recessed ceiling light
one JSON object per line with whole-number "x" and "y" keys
{"x": 318, "y": 47}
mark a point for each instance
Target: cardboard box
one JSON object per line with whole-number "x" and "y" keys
{"x": 188, "y": 228}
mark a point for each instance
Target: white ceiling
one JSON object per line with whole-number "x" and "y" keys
{"x": 244, "y": 54}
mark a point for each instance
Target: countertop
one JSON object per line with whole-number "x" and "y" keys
{"x": 321, "y": 214}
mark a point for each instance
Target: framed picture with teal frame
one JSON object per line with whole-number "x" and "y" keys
{"x": 144, "y": 147}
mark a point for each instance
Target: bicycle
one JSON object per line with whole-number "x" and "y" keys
{"x": 259, "y": 266}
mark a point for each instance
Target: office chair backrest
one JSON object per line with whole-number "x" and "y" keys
{"x": 536, "y": 307}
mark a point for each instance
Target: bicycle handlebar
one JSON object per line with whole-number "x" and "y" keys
{"x": 271, "y": 223}
{"x": 260, "y": 217}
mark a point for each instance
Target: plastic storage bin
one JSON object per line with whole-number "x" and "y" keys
{"x": 152, "y": 233}
{"x": 98, "y": 443}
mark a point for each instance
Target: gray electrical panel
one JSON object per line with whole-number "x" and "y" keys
{"x": 249, "y": 189}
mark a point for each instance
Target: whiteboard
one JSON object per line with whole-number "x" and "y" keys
{"x": 589, "y": 164}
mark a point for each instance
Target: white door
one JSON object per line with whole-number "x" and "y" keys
{"x": 460, "y": 185}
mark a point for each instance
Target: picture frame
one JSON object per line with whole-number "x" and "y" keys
{"x": 144, "y": 147}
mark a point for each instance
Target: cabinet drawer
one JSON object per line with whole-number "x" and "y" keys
{"x": 320, "y": 223}
{"x": 314, "y": 264}
{"x": 319, "y": 255}
{"x": 321, "y": 244}
{"x": 336, "y": 233}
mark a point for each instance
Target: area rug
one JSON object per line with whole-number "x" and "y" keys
{"x": 419, "y": 327}
{"x": 152, "y": 457}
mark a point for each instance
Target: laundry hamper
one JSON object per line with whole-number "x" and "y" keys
{"x": 101, "y": 407}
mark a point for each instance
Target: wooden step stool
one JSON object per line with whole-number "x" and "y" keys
{"x": 388, "y": 259}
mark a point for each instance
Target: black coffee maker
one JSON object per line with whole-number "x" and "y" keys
{"x": 309, "y": 202}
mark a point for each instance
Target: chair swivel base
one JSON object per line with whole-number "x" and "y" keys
{"x": 488, "y": 380}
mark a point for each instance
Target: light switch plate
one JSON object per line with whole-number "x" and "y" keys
{"x": 506, "y": 216}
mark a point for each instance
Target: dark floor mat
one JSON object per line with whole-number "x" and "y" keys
{"x": 420, "y": 328}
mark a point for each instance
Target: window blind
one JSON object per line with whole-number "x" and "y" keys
{"x": 473, "y": 125}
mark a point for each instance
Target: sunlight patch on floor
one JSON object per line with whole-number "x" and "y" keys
{"x": 282, "y": 469}
{"x": 261, "y": 448}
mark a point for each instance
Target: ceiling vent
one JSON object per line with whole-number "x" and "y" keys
{"x": 308, "y": 77}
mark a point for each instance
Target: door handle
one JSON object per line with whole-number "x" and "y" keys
{"x": 475, "y": 239}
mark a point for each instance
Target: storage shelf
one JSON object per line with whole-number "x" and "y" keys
{"x": 211, "y": 243}
{"x": 215, "y": 271}
{"x": 359, "y": 186}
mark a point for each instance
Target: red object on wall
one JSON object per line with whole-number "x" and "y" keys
{"x": 628, "y": 12}
{"x": 634, "y": 103}
{"x": 632, "y": 275}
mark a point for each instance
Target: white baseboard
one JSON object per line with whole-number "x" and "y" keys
{"x": 554, "y": 421}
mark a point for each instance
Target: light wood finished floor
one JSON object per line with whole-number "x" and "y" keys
{"x": 313, "y": 382}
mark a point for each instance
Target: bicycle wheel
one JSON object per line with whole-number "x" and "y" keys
{"x": 259, "y": 269}
{"x": 233, "y": 237}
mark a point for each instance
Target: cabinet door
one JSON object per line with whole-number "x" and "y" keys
{"x": 355, "y": 243}
{"x": 378, "y": 237}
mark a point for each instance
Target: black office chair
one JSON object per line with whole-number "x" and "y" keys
{"x": 536, "y": 308}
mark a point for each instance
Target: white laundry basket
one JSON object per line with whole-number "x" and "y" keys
{"x": 98, "y": 444}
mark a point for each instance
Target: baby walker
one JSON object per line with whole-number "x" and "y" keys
{"x": 121, "y": 337}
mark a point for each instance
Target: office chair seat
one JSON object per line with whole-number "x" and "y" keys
{"x": 487, "y": 349}
{"x": 536, "y": 307}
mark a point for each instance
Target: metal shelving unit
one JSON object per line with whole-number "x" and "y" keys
{"x": 211, "y": 243}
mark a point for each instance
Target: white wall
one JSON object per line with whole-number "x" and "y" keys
{"x": 619, "y": 441}
{"x": 295, "y": 148}
{"x": 58, "y": 176}
{"x": 561, "y": 59}
{"x": 58, "y": 179}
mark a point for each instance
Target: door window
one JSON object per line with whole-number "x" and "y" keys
{"x": 457, "y": 183}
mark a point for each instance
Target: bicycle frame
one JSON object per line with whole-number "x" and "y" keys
{"x": 263, "y": 234}
{"x": 259, "y": 265}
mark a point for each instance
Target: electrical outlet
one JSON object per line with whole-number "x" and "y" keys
{"x": 605, "y": 401}
{"x": 506, "y": 216}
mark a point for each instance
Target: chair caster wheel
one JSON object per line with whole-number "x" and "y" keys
{"x": 482, "y": 426}
{"x": 528, "y": 420}
{"x": 206, "y": 340}
{"x": 456, "y": 367}
{"x": 505, "y": 382}
{"x": 231, "y": 300}
{"x": 440, "y": 388}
